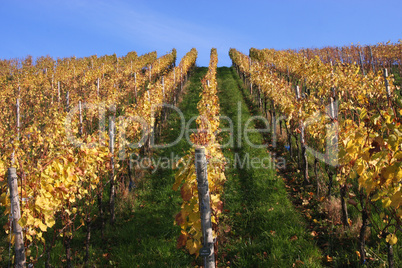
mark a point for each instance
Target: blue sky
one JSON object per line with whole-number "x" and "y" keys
{"x": 83, "y": 28}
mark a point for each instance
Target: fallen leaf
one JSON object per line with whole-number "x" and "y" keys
{"x": 358, "y": 254}
{"x": 314, "y": 233}
{"x": 298, "y": 263}
{"x": 293, "y": 238}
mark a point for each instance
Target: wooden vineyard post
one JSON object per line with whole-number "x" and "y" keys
{"x": 174, "y": 83}
{"x": 390, "y": 250}
{"x": 20, "y": 260}
{"x": 362, "y": 239}
{"x": 135, "y": 87}
{"x": 207, "y": 250}
{"x": 152, "y": 128}
{"x": 97, "y": 86}
{"x": 372, "y": 59}
{"x": 181, "y": 79}
{"x": 80, "y": 130}
{"x": 163, "y": 97}
{"x": 361, "y": 63}
{"x": 343, "y": 187}
{"x": 112, "y": 186}
{"x": 52, "y": 88}
{"x": 387, "y": 87}
{"x": 388, "y": 91}
{"x": 249, "y": 77}
{"x": 18, "y": 118}
{"x": 289, "y": 135}
{"x": 302, "y": 142}
{"x": 165, "y": 111}
{"x": 273, "y": 124}
{"x": 257, "y": 96}
{"x": 68, "y": 101}
{"x": 58, "y": 91}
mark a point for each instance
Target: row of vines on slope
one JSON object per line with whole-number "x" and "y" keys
{"x": 207, "y": 128}
{"x": 365, "y": 128}
{"x": 60, "y": 148}
{"x": 370, "y": 58}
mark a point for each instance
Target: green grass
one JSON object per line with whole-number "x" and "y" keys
{"x": 149, "y": 238}
{"x": 265, "y": 230}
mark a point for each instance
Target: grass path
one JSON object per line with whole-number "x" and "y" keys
{"x": 148, "y": 237}
{"x": 261, "y": 227}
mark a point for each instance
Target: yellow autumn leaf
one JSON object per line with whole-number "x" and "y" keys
{"x": 194, "y": 216}
{"x": 42, "y": 226}
{"x": 191, "y": 245}
{"x": 183, "y": 173}
{"x": 213, "y": 219}
{"x": 391, "y": 239}
{"x": 359, "y": 167}
{"x": 50, "y": 222}
{"x": 398, "y": 156}
{"x": 396, "y": 199}
{"x": 386, "y": 202}
{"x": 186, "y": 191}
{"x": 3, "y": 199}
{"x": 22, "y": 221}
